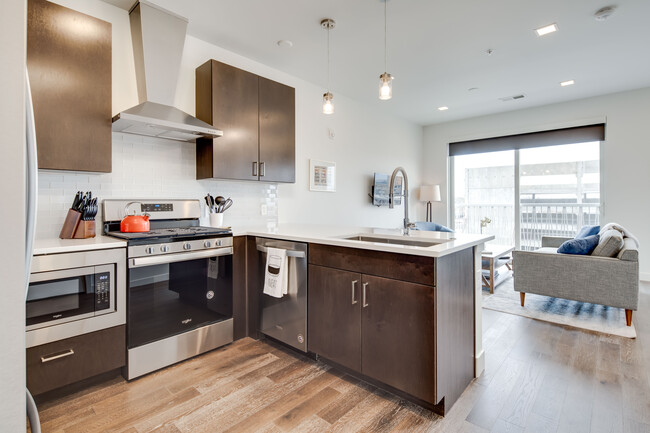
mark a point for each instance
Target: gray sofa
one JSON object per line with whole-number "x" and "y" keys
{"x": 611, "y": 281}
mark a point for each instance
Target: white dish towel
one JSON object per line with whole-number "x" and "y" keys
{"x": 275, "y": 276}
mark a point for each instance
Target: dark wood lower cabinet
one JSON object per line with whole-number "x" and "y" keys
{"x": 418, "y": 339}
{"x": 397, "y": 343}
{"x": 63, "y": 362}
{"x": 334, "y": 315}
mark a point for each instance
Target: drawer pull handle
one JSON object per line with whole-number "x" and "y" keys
{"x": 354, "y": 287}
{"x": 59, "y": 356}
{"x": 365, "y": 287}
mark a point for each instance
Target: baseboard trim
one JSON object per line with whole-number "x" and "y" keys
{"x": 644, "y": 276}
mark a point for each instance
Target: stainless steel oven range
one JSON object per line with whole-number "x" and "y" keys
{"x": 179, "y": 283}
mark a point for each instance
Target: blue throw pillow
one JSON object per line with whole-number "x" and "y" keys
{"x": 582, "y": 246}
{"x": 586, "y": 231}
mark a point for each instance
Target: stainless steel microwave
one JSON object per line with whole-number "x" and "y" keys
{"x": 75, "y": 293}
{"x": 70, "y": 294}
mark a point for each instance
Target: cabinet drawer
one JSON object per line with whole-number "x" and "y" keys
{"x": 53, "y": 365}
{"x": 414, "y": 269}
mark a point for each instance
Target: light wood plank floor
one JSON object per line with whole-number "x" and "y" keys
{"x": 539, "y": 377}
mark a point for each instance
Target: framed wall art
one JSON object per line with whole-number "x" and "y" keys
{"x": 322, "y": 175}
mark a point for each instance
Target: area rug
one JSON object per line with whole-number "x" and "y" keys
{"x": 593, "y": 317}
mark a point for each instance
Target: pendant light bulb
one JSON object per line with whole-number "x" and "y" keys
{"x": 328, "y": 105}
{"x": 385, "y": 79}
{"x": 385, "y": 86}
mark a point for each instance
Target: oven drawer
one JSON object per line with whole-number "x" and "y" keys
{"x": 63, "y": 362}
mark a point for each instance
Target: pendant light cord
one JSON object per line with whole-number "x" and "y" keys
{"x": 328, "y": 57}
{"x": 385, "y": 37}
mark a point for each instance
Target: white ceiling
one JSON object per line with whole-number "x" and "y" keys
{"x": 437, "y": 49}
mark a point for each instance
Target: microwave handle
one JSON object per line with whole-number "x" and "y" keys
{"x": 65, "y": 273}
{"x": 181, "y": 257}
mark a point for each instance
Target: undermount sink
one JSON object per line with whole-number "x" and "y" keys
{"x": 396, "y": 241}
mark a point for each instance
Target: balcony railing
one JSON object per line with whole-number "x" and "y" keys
{"x": 537, "y": 220}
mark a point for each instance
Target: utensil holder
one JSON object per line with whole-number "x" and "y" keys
{"x": 216, "y": 220}
{"x": 70, "y": 224}
{"x": 85, "y": 229}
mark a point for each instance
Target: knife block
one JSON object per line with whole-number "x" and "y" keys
{"x": 70, "y": 224}
{"x": 85, "y": 229}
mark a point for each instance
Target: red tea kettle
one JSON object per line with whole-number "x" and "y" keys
{"x": 134, "y": 223}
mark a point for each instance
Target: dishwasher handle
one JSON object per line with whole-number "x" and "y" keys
{"x": 290, "y": 253}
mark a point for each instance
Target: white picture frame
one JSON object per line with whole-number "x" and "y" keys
{"x": 322, "y": 175}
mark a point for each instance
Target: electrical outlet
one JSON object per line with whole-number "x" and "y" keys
{"x": 263, "y": 209}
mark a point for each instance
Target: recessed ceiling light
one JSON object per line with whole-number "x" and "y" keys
{"x": 443, "y": 108}
{"x": 284, "y": 43}
{"x": 567, "y": 83}
{"x": 546, "y": 29}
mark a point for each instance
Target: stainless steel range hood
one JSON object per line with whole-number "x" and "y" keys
{"x": 158, "y": 38}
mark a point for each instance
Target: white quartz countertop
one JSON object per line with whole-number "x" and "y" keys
{"x": 57, "y": 246}
{"x": 445, "y": 243}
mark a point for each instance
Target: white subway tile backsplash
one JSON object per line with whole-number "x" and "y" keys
{"x": 146, "y": 167}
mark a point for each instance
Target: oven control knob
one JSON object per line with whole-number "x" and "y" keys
{"x": 149, "y": 250}
{"x": 207, "y": 244}
{"x": 187, "y": 246}
{"x": 164, "y": 248}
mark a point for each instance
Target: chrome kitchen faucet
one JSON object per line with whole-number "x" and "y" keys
{"x": 391, "y": 195}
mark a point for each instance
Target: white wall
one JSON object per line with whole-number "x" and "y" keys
{"x": 12, "y": 216}
{"x": 365, "y": 141}
{"x": 625, "y": 152}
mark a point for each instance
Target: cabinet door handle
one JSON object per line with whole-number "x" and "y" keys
{"x": 58, "y": 356}
{"x": 254, "y": 168}
{"x": 262, "y": 169}
{"x": 354, "y": 288}
{"x": 365, "y": 287}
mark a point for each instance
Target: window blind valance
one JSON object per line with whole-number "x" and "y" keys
{"x": 555, "y": 137}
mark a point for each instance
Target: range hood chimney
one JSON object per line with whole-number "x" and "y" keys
{"x": 158, "y": 38}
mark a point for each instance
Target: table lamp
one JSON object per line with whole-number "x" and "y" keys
{"x": 430, "y": 193}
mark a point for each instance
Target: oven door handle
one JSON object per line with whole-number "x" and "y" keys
{"x": 180, "y": 257}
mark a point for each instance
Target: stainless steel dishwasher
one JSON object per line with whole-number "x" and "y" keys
{"x": 285, "y": 318}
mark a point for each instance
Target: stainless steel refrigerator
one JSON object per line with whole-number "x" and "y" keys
{"x": 31, "y": 185}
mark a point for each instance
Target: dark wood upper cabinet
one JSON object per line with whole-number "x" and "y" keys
{"x": 69, "y": 64}
{"x": 257, "y": 117}
{"x": 277, "y": 131}
{"x": 228, "y": 97}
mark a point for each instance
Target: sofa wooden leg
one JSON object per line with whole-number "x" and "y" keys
{"x": 628, "y": 317}
{"x": 522, "y": 295}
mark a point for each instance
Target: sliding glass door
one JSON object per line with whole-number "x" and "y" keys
{"x": 521, "y": 195}
{"x": 484, "y": 194}
{"x": 559, "y": 191}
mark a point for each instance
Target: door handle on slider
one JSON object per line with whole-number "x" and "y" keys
{"x": 354, "y": 286}
{"x": 254, "y": 168}
{"x": 365, "y": 287}
{"x": 59, "y": 356}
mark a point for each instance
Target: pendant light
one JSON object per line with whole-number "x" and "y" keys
{"x": 385, "y": 79}
{"x": 328, "y": 105}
